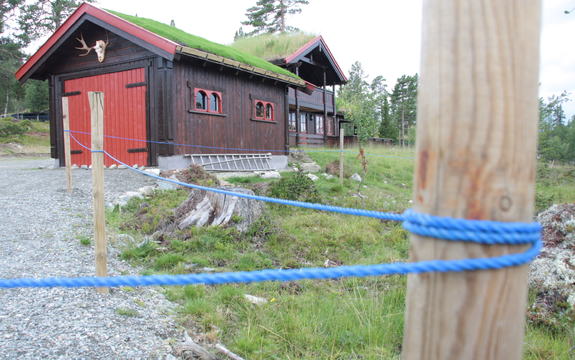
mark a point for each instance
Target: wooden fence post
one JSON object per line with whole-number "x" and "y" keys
{"x": 476, "y": 145}
{"x": 97, "y": 116}
{"x": 341, "y": 139}
{"x": 67, "y": 154}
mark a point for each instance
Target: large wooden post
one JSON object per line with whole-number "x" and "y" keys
{"x": 67, "y": 153}
{"x": 476, "y": 146}
{"x": 97, "y": 116}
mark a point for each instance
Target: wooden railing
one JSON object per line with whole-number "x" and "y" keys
{"x": 313, "y": 101}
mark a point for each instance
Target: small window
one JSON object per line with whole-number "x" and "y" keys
{"x": 302, "y": 122}
{"x": 264, "y": 110}
{"x": 292, "y": 124}
{"x": 259, "y": 109}
{"x": 215, "y": 103}
{"x": 208, "y": 101}
{"x": 269, "y": 112}
{"x": 319, "y": 124}
{"x": 201, "y": 101}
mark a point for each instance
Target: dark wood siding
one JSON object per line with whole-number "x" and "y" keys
{"x": 119, "y": 50}
{"x": 235, "y": 127}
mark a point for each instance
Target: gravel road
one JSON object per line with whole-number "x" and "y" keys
{"x": 40, "y": 224}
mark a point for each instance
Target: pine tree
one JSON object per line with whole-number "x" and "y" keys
{"x": 269, "y": 16}
{"x": 403, "y": 104}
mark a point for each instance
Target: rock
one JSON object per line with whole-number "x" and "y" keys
{"x": 312, "y": 177}
{"x": 166, "y": 185}
{"x": 153, "y": 171}
{"x": 310, "y": 167}
{"x": 113, "y": 166}
{"x": 123, "y": 199}
{"x": 135, "y": 166}
{"x": 207, "y": 269}
{"x": 142, "y": 167}
{"x": 255, "y": 299}
{"x": 146, "y": 190}
{"x": 270, "y": 175}
{"x": 204, "y": 208}
{"x": 356, "y": 177}
{"x": 122, "y": 166}
{"x": 328, "y": 176}
{"x": 554, "y": 268}
{"x": 89, "y": 167}
{"x": 74, "y": 166}
{"x": 84, "y": 167}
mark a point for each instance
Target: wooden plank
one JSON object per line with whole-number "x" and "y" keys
{"x": 341, "y": 141}
{"x": 97, "y": 117}
{"x": 67, "y": 151}
{"x": 476, "y": 146}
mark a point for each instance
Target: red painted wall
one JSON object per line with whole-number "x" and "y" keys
{"x": 124, "y": 115}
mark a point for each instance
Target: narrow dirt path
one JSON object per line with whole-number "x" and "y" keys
{"x": 39, "y": 228}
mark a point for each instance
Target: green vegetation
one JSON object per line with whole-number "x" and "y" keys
{"x": 196, "y": 42}
{"x": 270, "y": 16}
{"x": 85, "y": 240}
{"x": 24, "y": 136}
{"x": 335, "y": 319}
{"x": 272, "y": 46}
{"x": 127, "y": 312}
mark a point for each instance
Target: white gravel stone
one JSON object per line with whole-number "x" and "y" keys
{"x": 270, "y": 175}
{"x": 153, "y": 171}
{"x": 41, "y": 224}
{"x": 312, "y": 177}
{"x": 356, "y": 177}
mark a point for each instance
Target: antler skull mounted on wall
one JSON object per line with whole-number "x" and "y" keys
{"x": 99, "y": 47}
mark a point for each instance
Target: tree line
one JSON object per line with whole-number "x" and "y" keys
{"x": 21, "y": 23}
{"x": 376, "y": 111}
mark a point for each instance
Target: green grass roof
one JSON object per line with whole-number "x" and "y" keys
{"x": 272, "y": 46}
{"x": 183, "y": 38}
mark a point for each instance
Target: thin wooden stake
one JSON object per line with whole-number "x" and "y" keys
{"x": 97, "y": 116}
{"x": 67, "y": 153}
{"x": 341, "y": 136}
{"x": 476, "y": 145}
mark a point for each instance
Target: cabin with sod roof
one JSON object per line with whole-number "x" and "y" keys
{"x": 313, "y": 118}
{"x": 170, "y": 95}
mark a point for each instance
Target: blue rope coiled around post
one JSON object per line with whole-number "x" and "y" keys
{"x": 478, "y": 231}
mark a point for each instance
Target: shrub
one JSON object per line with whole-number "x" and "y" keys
{"x": 295, "y": 187}
{"x": 10, "y": 127}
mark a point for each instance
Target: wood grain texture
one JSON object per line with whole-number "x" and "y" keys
{"x": 67, "y": 154}
{"x": 476, "y": 146}
{"x": 97, "y": 115}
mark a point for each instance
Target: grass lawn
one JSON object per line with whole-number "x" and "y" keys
{"x": 330, "y": 319}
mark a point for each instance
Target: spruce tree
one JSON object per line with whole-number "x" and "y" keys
{"x": 269, "y": 16}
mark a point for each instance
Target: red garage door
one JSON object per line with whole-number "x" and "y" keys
{"x": 124, "y": 116}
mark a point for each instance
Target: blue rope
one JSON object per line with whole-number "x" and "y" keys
{"x": 234, "y": 149}
{"x": 478, "y": 231}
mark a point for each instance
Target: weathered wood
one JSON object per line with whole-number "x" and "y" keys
{"x": 67, "y": 153}
{"x": 97, "y": 115}
{"x": 341, "y": 139}
{"x": 477, "y": 130}
{"x": 222, "y": 349}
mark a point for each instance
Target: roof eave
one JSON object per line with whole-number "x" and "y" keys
{"x": 164, "y": 45}
{"x": 233, "y": 64}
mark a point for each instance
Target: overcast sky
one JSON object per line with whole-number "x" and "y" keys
{"x": 383, "y": 35}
